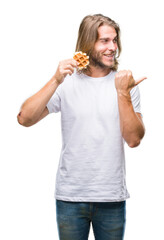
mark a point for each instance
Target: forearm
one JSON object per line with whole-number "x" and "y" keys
{"x": 33, "y": 107}
{"x": 131, "y": 125}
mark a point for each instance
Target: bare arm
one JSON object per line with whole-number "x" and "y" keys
{"x": 131, "y": 123}
{"x": 34, "y": 108}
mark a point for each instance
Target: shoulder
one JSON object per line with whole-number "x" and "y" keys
{"x": 70, "y": 78}
{"x": 113, "y": 74}
{"x": 68, "y": 82}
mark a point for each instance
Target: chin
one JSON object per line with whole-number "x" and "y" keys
{"x": 110, "y": 65}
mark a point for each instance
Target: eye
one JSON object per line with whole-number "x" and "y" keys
{"x": 104, "y": 40}
{"x": 115, "y": 40}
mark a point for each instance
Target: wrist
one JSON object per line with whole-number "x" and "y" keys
{"x": 124, "y": 94}
{"x": 55, "y": 81}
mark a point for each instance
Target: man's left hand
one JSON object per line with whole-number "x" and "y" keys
{"x": 124, "y": 81}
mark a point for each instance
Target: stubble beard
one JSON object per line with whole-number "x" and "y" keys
{"x": 96, "y": 61}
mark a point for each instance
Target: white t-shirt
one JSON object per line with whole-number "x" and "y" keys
{"x": 92, "y": 163}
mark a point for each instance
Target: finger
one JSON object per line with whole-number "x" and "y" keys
{"x": 69, "y": 67}
{"x": 73, "y": 62}
{"x": 68, "y": 72}
{"x": 139, "y": 80}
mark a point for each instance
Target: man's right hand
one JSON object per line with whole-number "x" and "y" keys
{"x": 65, "y": 67}
{"x": 34, "y": 108}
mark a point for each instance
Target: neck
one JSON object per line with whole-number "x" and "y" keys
{"x": 97, "y": 72}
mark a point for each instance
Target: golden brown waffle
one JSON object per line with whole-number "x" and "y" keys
{"x": 82, "y": 59}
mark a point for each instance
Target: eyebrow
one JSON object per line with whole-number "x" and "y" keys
{"x": 108, "y": 38}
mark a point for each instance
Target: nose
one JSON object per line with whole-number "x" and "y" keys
{"x": 112, "y": 46}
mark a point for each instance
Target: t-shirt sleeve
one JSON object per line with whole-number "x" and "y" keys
{"x": 54, "y": 104}
{"x": 135, "y": 97}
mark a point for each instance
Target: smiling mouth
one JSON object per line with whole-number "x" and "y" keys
{"x": 109, "y": 56}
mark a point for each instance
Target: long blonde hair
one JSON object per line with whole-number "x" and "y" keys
{"x": 88, "y": 34}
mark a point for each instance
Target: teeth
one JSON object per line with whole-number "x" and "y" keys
{"x": 109, "y": 55}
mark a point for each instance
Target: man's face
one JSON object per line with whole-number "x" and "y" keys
{"x": 105, "y": 47}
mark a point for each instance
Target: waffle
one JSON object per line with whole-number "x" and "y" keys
{"x": 82, "y": 59}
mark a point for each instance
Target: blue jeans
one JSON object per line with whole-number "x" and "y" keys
{"x": 74, "y": 219}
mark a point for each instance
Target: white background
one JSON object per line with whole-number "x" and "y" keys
{"x": 35, "y": 36}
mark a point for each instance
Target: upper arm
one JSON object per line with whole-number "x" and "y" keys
{"x": 140, "y": 118}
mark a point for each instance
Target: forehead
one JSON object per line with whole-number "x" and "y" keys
{"x": 106, "y": 31}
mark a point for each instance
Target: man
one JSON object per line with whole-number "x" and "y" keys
{"x": 100, "y": 109}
